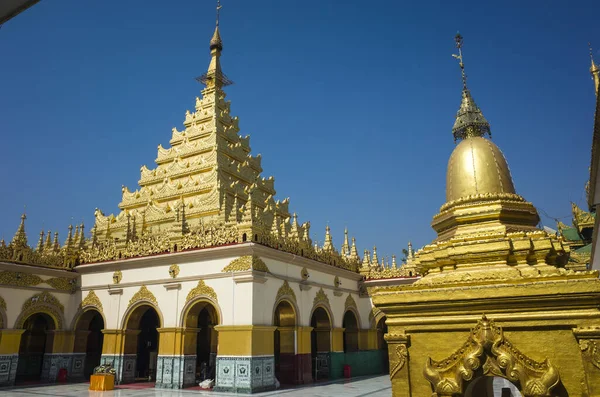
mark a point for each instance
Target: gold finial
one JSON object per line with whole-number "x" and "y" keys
{"x": 470, "y": 121}
{"x": 594, "y": 70}
{"x": 20, "y": 237}
{"x": 219, "y": 6}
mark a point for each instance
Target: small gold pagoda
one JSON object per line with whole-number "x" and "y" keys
{"x": 495, "y": 303}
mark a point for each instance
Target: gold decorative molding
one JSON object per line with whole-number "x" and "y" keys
{"x": 350, "y": 303}
{"x": 174, "y": 271}
{"x": 43, "y": 302}
{"x": 398, "y": 358}
{"x": 321, "y": 297}
{"x": 19, "y": 279}
{"x": 117, "y": 277}
{"x": 245, "y": 263}
{"x": 285, "y": 290}
{"x": 143, "y": 294}
{"x": 304, "y": 274}
{"x": 92, "y": 299}
{"x": 201, "y": 290}
{"x": 62, "y": 283}
{"x": 487, "y": 342}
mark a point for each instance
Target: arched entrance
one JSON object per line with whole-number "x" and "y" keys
{"x": 382, "y": 345}
{"x": 89, "y": 339}
{"x": 35, "y": 342}
{"x": 320, "y": 343}
{"x": 201, "y": 340}
{"x": 492, "y": 386}
{"x": 284, "y": 319}
{"x": 350, "y": 324}
{"x": 143, "y": 342}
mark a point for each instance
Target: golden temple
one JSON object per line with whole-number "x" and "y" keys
{"x": 203, "y": 274}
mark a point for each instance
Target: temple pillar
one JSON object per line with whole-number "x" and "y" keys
{"x": 398, "y": 344}
{"x": 337, "y": 357}
{"x": 245, "y": 358}
{"x": 10, "y": 341}
{"x": 303, "y": 356}
{"x": 76, "y": 373}
{"x": 120, "y": 350}
{"x": 176, "y": 367}
{"x": 60, "y": 355}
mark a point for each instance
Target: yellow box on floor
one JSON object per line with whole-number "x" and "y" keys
{"x": 102, "y": 382}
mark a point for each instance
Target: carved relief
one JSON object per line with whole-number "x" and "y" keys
{"x": 486, "y": 341}
{"x": 62, "y": 283}
{"x": 19, "y": 279}
{"x": 174, "y": 271}
{"x": 91, "y": 300}
{"x": 117, "y": 277}
{"x": 285, "y": 290}
{"x": 2, "y": 303}
{"x": 350, "y": 303}
{"x": 398, "y": 358}
{"x": 43, "y": 302}
{"x": 143, "y": 295}
{"x": 201, "y": 290}
{"x": 337, "y": 282}
{"x": 591, "y": 350}
{"x": 304, "y": 274}
{"x": 321, "y": 297}
{"x": 245, "y": 263}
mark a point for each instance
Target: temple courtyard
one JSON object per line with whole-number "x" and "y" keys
{"x": 365, "y": 386}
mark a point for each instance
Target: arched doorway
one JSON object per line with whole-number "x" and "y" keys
{"x": 88, "y": 340}
{"x": 35, "y": 342}
{"x": 492, "y": 386}
{"x": 284, "y": 319}
{"x": 201, "y": 341}
{"x": 350, "y": 324}
{"x": 382, "y": 345}
{"x": 144, "y": 343}
{"x": 320, "y": 343}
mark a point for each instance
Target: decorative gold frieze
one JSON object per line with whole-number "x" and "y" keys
{"x": 19, "y": 279}
{"x": 174, "y": 271}
{"x": 350, "y": 303}
{"x": 201, "y": 290}
{"x": 245, "y": 263}
{"x": 91, "y": 299}
{"x": 62, "y": 283}
{"x": 321, "y": 297}
{"x": 117, "y": 277}
{"x": 487, "y": 344}
{"x": 285, "y": 290}
{"x": 143, "y": 294}
{"x": 43, "y": 302}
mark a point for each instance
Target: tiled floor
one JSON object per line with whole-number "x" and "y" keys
{"x": 378, "y": 386}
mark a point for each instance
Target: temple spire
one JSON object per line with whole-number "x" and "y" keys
{"x": 214, "y": 77}
{"x": 20, "y": 237}
{"x": 346, "y": 245}
{"x": 470, "y": 121}
{"x": 594, "y": 70}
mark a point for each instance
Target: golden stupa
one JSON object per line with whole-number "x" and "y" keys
{"x": 495, "y": 307}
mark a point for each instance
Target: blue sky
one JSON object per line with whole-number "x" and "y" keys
{"x": 351, "y": 103}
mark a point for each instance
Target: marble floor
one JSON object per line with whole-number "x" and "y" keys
{"x": 378, "y": 386}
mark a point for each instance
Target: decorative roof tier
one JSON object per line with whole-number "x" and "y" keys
{"x": 206, "y": 190}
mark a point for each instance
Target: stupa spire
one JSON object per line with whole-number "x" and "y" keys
{"x": 40, "y": 245}
{"x": 214, "y": 77}
{"x": 20, "y": 237}
{"x": 346, "y": 245}
{"x": 470, "y": 121}
{"x": 594, "y": 70}
{"x": 328, "y": 244}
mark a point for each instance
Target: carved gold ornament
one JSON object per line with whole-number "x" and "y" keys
{"x": 19, "y": 279}
{"x": 398, "y": 358}
{"x": 321, "y": 297}
{"x": 43, "y": 302}
{"x": 486, "y": 344}
{"x": 117, "y": 277}
{"x": 350, "y": 303}
{"x": 337, "y": 282}
{"x": 245, "y": 263}
{"x": 591, "y": 350}
{"x": 285, "y": 290}
{"x": 174, "y": 271}
{"x": 143, "y": 294}
{"x": 2, "y": 303}
{"x": 62, "y": 283}
{"x": 304, "y": 274}
{"x": 201, "y": 290}
{"x": 91, "y": 299}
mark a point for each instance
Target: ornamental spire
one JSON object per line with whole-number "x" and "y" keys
{"x": 20, "y": 237}
{"x": 214, "y": 77}
{"x": 470, "y": 121}
{"x": 594, "y": 70}
{"x": 346, "y": 245}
